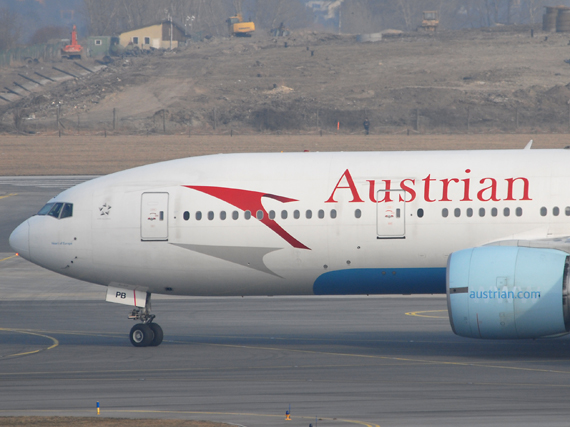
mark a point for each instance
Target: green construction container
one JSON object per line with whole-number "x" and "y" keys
{"x": 98, "y": 45}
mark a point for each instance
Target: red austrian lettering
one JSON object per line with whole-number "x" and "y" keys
{"x": 350, "y": 186}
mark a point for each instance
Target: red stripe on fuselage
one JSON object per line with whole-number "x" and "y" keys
{"x": 251, "y": 201}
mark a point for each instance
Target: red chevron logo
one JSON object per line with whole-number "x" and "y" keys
{"x": 251, "y": 201}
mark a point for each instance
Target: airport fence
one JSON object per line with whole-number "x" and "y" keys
{"x": 480, "y": 119}
{"x": 44, "y": 52}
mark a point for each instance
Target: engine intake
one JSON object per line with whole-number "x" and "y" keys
{"x": 506, "y": 292}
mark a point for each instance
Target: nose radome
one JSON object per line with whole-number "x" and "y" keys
{"x": 19, "y": 240}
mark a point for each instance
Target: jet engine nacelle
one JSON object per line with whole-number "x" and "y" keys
{"x": 505, "y": 292}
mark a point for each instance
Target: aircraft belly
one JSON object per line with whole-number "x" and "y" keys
{"x": 381, "y": 281}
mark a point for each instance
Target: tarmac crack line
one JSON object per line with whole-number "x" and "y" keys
{"x": 403, "y": 359}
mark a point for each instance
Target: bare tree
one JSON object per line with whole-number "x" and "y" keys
{"x": 358, "y": 17}
{"x": 238, "y": 5}
{"x": 109, "y": 17}
{"x": 406, "y": 10}
{"x": 45, "y": 34}
{"x": 479, "y": 13}
{"x": 270, "y": 13}
{"x": 9, "y": 28}
{"x": 532, "y": 10}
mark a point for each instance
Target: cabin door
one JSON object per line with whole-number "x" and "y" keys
{"x": 391, "y": 214}
{"x": 154, "y": 217}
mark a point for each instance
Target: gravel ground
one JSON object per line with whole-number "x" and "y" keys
{"x": 482, "y": 80}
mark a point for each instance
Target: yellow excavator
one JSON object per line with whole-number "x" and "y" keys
{"x": 239, "y": 28}
{"x": 430, "y": 21}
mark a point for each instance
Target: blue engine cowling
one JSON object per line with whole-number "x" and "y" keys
{"x": 506, "y": 292}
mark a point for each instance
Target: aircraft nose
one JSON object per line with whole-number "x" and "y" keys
{"x": 20, "y": 240}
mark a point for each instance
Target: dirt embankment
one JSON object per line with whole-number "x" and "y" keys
{"x": 500, "y": 80}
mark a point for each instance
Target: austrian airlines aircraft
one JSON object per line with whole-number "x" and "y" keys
{"x": 489, "y": 228}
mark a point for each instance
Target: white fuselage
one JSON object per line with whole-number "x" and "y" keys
{"x": 320, "y": 223}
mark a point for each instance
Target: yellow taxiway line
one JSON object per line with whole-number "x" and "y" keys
{"x": 19, "y": 331}
{"x": 10, "y": 257}
{"x": 420, "y": 314}
{"x": 8, "y": 195}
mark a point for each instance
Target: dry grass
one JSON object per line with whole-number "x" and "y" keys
{"x": 97, "y": 155}
{"x": 100, "y": 422}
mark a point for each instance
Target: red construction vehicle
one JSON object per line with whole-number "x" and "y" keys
{"x": 73, "y": 50}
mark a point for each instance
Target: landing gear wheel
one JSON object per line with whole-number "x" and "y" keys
{"x": 158, "y": 334}
{"x": 141, "y": 335}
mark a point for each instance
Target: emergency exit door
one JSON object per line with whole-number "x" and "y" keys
{"x": 154, "y": 217}
{"x": 391, "y": 214}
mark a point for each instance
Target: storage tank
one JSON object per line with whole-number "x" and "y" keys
{"x": 563, "y": 19}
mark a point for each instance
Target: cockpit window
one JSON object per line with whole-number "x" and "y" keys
{"x": 67, "y": 211}
{"x": 46, "y": 209}
{"x": 57, "y": 210}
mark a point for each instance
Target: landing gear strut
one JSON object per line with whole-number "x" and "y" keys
{"x": 145, "y": 334}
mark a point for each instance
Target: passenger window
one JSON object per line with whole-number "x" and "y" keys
{"x": 309, "y": 214}
{"x": 469, "y": 212}
{"x": 444, "y": 212}
{"x": 321, "y": 213}
{"x": 235, "y": 215}
{"x": 481, "y": 212}
{"x": 457, "y": 212}
{"x": 420, "y": 213}
{"x": 543, "y": 211}
{"x": 296, "y": 214}
{"x": 55, "y": 211}
{"x": 506, "y": 211}
{"x": 46, "y": 209}
{"x": 567, "y": 211}
{"x": 259, "y": 214}
{"x": 198, "y": 216}
{"x": 494, "y": 212}
{"x": 186, "y": 216}
{"x": 357, "y": 213}
{"x": 284, "y": 214}
{"x": 223, "y": 215}
{"x": 271, "y": 214}
{"x": 67, "y": 211}
{"x": 518, "y": 212}
{"x": 555, "y": 211}
{"x": 210, "y": 215}
{"x": 333, "y": 213}
{"x": 247, "y": 215}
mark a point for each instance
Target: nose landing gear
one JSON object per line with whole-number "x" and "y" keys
{"x": 145, "y": 334}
